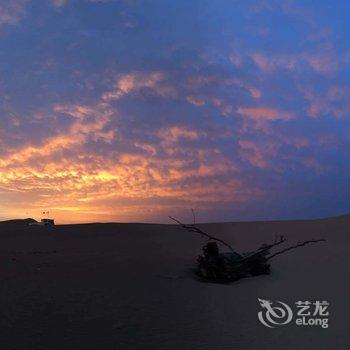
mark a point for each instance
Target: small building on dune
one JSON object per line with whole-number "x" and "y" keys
{"x": 43, "y": 222}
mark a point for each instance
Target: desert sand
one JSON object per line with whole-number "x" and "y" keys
{"x": 131, "y": 286}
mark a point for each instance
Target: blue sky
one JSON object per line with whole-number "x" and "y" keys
{"x": 134, "y": 110}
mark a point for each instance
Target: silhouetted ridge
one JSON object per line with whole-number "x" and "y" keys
{"x": 18, "y": 222}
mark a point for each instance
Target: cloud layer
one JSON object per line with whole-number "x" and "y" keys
{"x": 116, "y": 110}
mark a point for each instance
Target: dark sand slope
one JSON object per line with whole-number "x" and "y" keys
{"x": 129, "y": 286}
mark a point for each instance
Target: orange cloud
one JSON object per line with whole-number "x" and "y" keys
{"x": 131, "y": 82}
{"x": 333, "y": 102}
{"x": 269, "y": 63}
{"x": 81, "y": 183}
{"x": 251, "y": 152}
{"x": 264, "y": 113}
{"x": 173, "y": 134}
{"x": 74, "y": 184}
{"x": 235, "y": 59}
{"x": 196, "y": 101}
{"x": 326, "y": 62}
{"x": 89, "y": 122}
{"x": 256, "y": 93}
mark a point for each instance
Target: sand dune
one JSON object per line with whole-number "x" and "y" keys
{"x": 130, "y": 286}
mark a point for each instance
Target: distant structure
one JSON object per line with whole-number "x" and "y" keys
{"x": 44, "y": 222}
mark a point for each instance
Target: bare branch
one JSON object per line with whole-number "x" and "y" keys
{"x": 194, "y": 217}
{"x": 295, "y": 246}
{"x": 266, "y": 247}
{"x": 192, "y": 228}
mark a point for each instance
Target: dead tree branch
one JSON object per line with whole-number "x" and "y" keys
{"x": 192, "y": 228}
{"x": 194, "y": 217}
{"x": 295, "y": 246}
{"x": 266, "y": 247}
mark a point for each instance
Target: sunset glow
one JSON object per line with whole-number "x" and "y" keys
{"x": 133, "y": 110}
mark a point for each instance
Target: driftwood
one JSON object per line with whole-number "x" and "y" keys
{"x": 296, "y": 246}
{"x": 193, "y": 228}
{"x": 214, "y": 266}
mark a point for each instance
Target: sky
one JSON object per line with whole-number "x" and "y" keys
{"x": 127, "y": 110}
